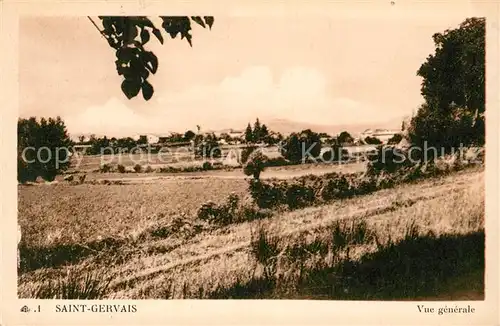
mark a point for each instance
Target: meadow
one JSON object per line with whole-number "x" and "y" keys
{"x": 142, "y": 239}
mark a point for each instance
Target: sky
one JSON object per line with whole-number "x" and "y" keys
{"x": 317, "y": 69}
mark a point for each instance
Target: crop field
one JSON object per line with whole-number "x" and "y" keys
{"x": 122, "y": 234}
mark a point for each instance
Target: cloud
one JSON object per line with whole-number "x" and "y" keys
{"x": 113, "y": 117}
{"x": 299, "y": 94}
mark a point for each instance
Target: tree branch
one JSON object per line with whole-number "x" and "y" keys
{"x": 97, "y": 27}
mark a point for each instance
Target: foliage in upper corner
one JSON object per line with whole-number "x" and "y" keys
{"x": 128, "y": 35}
{"x": 453, "y": 87}
{"x": 455, "y": 73}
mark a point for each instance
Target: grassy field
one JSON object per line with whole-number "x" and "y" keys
{"x": 143, "y": 241}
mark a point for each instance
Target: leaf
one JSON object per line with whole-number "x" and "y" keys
{"x": 158, "y": 35}
{"x": 125, "y": 54}
{"x": 144, "y": 21}
{"x": 108, "y": 26}
{"x": 131, "y": 87}
{"x": 198, "y": 20}
{"x": 144, "y": 36}
{"x": 209, "y": 20}
{"x": 131, "y": 31}
{"x": 152, "y": 61}
{"x": 147, "y": 90}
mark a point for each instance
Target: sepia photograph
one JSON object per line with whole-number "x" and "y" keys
{"x": 296, "y": 157}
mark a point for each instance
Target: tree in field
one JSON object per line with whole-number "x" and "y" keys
{"x": 189, "y": 135}
{"x": 249, "y": 134}
{"x": 43, "y": 148}
{"x": 301, "y": 146}
{"x": 81, "y": 139}
{"x": 143, "y": 139}
{"x": 257, "y": 134}
{"x": 97, "y": 144}
{"x": 206, "y": 146}
{"x": 453, "y": 87}
{"x": 128, "y": 35}
{"x": 255, "y": 164}
{"x": 345, "y": 138}
{"x": 264, "y": 134}
{"x": 123, "y": 144}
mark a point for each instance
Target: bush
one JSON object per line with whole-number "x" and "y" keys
{"x": 105, "y": 168}
{"x": 299, "y": 195}
{"x": 149, "y": 169}
{"x": 267, "y": 195}
{"x": 220, "y": 214}
{"x": 388, "y": 159}
{"x": 336, "y": 188}
{"x": 137, "y": 168}
{"x": 206, "y": 166}
{"x": 121, "y": 168}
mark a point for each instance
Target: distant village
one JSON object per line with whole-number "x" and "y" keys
{"x": 230, "y": 138}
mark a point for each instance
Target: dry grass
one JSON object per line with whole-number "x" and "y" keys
{"x": 215, "y": 259}
{"x": 65, "y": 214}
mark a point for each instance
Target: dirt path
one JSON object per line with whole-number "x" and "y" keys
{"x": 231, "y": 245}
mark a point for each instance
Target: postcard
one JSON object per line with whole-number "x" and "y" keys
{"x": 250, "y": 163}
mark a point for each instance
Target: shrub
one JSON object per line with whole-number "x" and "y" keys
{"x": 220, "y": 214}
{"x": 267, "y": 195}
{"x": 137, "y": 168}
{"x": 206, "y": 166}
{"x": 105, "y": 168}
{"x": 299, "y": 195}
{"x": 388, "y": 159}
{"x": 121, "y": 168}
{"x": 149, "y": 169}
{"x": 337, "y": 187}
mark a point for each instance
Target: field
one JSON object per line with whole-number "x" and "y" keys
{"x": 123, "y": 234}
{"x": 180, "y": 157}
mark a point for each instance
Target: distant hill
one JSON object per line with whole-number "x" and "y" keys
{"x": 285, "y": 126}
